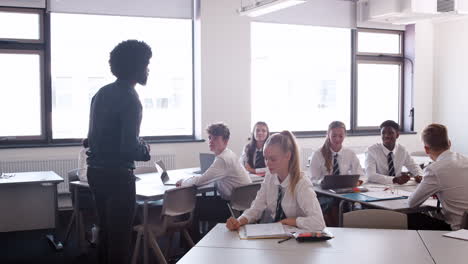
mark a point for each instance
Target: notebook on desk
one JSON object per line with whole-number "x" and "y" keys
{"x": 206, "y": 159}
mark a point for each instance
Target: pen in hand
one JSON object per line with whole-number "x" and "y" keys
{"x": 230, "y": 210}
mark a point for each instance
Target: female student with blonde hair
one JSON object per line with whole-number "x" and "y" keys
{"x": 285, "y": 196}
{"x": 252, "y": 156}
{"x": 333, "y": 158}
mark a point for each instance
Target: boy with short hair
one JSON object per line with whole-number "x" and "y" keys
{"x": 384, "y": 161}
{"x": 446, "y": 176}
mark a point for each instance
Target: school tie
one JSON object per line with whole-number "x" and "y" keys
{"x": 279, "y": 209}
{"x": 391, "y": 168}
{"x": 259, "y": 160}
{"x": 336, "y": 166}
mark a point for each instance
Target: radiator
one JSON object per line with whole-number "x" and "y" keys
{"x": 61, "y": 167}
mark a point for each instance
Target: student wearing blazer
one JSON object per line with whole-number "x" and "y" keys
{"x": 252, "y": 156}
{"x": 286, "y": 195}
{"x": 446, "y": 177}
{"x": 384, "y": 161}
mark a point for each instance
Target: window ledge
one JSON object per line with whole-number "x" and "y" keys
{"x": 349, "y": 134}
{"x": 75, "y": 144}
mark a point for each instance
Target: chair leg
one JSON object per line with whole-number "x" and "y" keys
{"x": 188, "y": 238}
{"x": 69, "y": 226}
{"x": 169, "y": 245}
{"x": 137, "y": 247}
{"x": 156, "y": 249}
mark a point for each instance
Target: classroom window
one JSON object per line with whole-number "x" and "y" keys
{"x": 21, "y": 68}
{"x": 303, "y": 77}
{"x": 300, "y": 77}
{"x": 79, "y": 60}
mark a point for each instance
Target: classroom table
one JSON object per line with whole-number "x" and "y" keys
{"x": 28, "y": 200}
{"x": 149, "y": 188}
{"x": 445, "y": 250}
{"x": 349, "y": 245}
{"x": 400, "y": 205}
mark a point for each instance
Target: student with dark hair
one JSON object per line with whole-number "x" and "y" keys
{"x": 446, "y": 177}
{"x": 286, "y": 195}
{"x": 114, "y": 146}
{"x": 384, "y": 161}
{"x": 252, "y": 156}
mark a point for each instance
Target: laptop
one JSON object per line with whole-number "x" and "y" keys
{"x": 339, "y": 181}
{"x": 206, "y": 159}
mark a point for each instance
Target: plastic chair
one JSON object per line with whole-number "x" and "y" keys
{"x": 175, "y": 215}
{"x": 375, "y": 218}
{"x": 242, "y": 197}
{"x": 464, "y": 222}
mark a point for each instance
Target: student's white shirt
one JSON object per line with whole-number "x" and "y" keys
{"x": 82, "y": 166}
{"x": 226, "y": 172}
{"x": 303, "y": 204}
{"x": 347, "y": 160}
{"x": 377, "y": 164}
{"x": 244, "y": 159}
{"x": 448, "y": 178}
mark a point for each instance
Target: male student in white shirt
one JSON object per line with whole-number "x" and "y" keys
{"x": 447, "y": 177}
{"x": 226, "y": 172}
{"x": 384, "y": 161}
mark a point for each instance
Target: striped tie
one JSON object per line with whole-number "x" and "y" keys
{"x": 391, "y": 168}
{"x": 279, "y": 209}
{"x": 259, "y": 160}
{"x": 336, "y": 166}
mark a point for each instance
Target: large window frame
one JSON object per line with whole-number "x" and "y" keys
{"x": 42, "y": 46}
{"x": 375, "y": 58}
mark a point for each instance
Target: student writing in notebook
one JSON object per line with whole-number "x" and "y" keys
{"x": 384, "y": 161}
{"x": 252, "y": 156}
{"x": 286, "y": 195}
{"x": 447, "y": 177}
{"x": 333, "y": 159}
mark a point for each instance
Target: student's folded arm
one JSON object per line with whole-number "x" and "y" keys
{"x": 429, "y": 186}
{"x": 243, "y": 158}
{"x": 371, "y": 172}
{"x": 412, "y": 166}
{"x": 215, "y": 172}
{"x": 258, "y": 205}
{"x": 131, "y": 146}
{"x": 307, "y": 200}
{"x": 315, "y": 165}
{"x": 357, "y": 169}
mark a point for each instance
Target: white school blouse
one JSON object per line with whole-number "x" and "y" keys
{"x": 303, "y": 204}
{"x": 347, "y": 161}
{"x": 244, "y": 159}
{"x": 226, "y": 172}
{"x": 377, "y": 164}
{"x": 448, "y": 178}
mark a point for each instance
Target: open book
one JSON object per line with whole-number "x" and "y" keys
{"x": 272, "y": 230}
{"x": 460, "y": 234}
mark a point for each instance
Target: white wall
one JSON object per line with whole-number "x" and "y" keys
{"x": 225, "y": 74}
{"x": 451, "y": 80}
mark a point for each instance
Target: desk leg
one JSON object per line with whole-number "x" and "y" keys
{"x": 145, "y": 232}
{"x": 340, "y": 213}
{"x": 51, "y": 237}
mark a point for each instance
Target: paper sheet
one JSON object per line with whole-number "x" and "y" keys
{"x": 460, "y": 234}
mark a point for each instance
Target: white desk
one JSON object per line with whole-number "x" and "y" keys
{"x": 349, "y": 246}
{"x": 28, "y": 201}
{"x": 445, "y": 250}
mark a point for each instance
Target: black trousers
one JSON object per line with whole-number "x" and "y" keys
{"x": 114, "y": 195}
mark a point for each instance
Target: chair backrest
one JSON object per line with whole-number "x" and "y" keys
{"x": 375, "y": 218}
{"x": 145, "y": 169}
{"x": 178, "y": 207}
{"x": 464, "y": 223}
{"x": 242, "y": 196}
{"x": 179, "y": 201}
